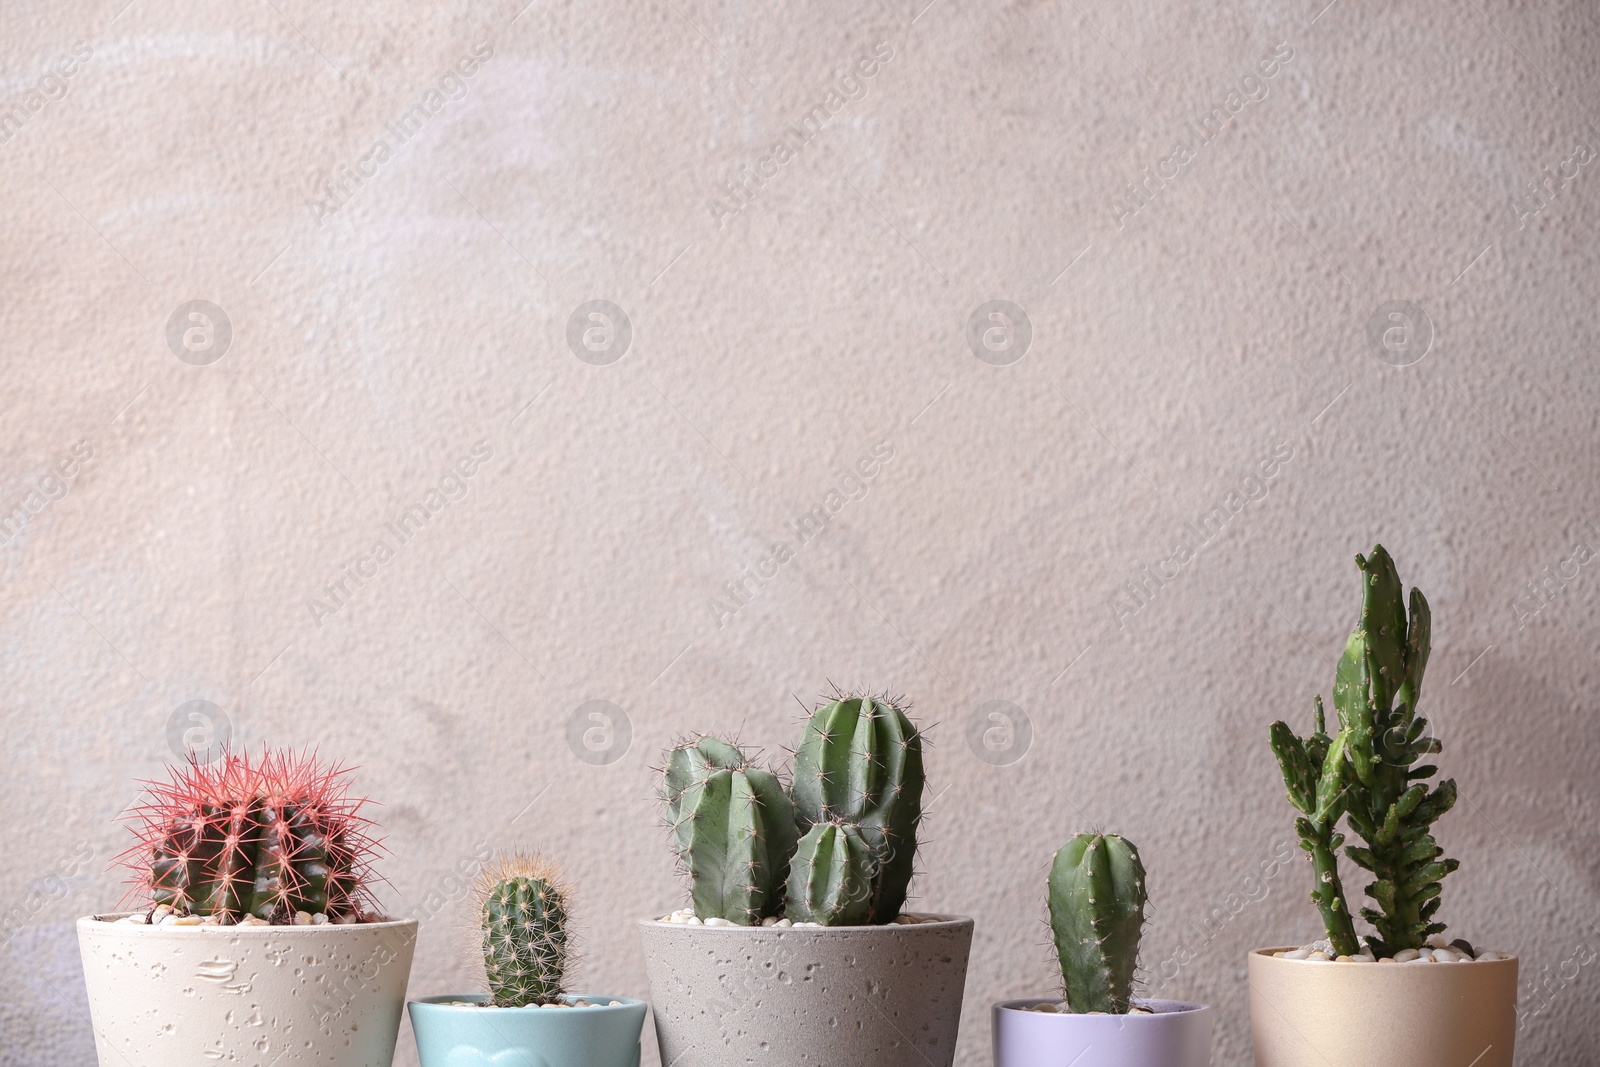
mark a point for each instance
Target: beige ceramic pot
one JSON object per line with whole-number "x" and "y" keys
{"x": 1306, "y": 1014}
{"x": 832, "y": 996}
{"x": 164, "y": 996}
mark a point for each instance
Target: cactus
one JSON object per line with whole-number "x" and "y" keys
{"x": 269, "y": 838}
{"x": 1369, "y": 772}
{"x": 860, "y": 762}
{"x": 1097, "y": 898}
{"x": 831, "y": 878}
{"x": 522, "y": 910}
{"x": 733, "y": 830}
{"x": 836, "y": 846}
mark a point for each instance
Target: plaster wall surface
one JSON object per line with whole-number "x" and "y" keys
{"x": 1206, "y": 255}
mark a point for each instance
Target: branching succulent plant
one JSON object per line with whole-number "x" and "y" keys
{"x": 1097, "y": 899}
{"x": 272, "y": 838}
{"x": 1369, "y": 773}
{"x": 522, "y": 913}
{"x": 836, "y": 846}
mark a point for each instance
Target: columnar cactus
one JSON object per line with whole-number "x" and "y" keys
{"x": 522, "y": 909}
{"x": 1097, "y": 898}
{"x": 1369, "y": 772}
{"x": 831, "y": 878}
{"x": 852, "y": 811}
{"x": 733, "y": 830}
{"x": 860, "y": 762}
{"x": 272, "y": 838}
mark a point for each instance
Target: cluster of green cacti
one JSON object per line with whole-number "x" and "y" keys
{"x": 1369, "y": 773}
{"x": 1097, "y": 899}
{"x": 836, "y": 846}
{"x": 522, "y": 913}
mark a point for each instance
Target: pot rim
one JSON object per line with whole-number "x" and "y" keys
{"x": 437, "y": 1002}
{"x": 108, "y": 921}
{"x": 1183, "y": 1007}
{"x": 1267, "y": 954}
{"x": 940, "y": 921}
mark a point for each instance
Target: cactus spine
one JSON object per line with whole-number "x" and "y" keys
{"x": 831, "y": 879}
{"x": 860, "y": 762}
{"x": 732, "y": 827}
{"x": 1370, "y": 773}
{"x": 1097, "y": 898}
{"x": 836, "y": 846}
{"x": 522, "y": 908}
{"x": 269, "y": 837}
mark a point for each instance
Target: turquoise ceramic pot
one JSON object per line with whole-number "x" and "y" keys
{"x": 466, "y": 1035}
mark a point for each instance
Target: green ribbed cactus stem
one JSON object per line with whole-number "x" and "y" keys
{"x": 1097, "y": 898}
{"x": 831, "y": 878}
{"x": 860, "y": 762}
{"x": 732, "y": 828}
{"x": 523, "y": 911}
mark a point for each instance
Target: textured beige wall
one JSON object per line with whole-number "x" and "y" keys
{"x": 1180, "y": 337}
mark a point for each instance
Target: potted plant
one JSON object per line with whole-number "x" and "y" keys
{"x": 255, "y": 939}
{"x": 795, "y": 950}
{"x": 1349, "y": 999}
{"x": 524, "y": 937}
{"x": 1097, "y": 898}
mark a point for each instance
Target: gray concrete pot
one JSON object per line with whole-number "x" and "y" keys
{"x": 840, "y": 996}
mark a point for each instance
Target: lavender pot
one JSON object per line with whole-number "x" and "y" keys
{"x": 1178, "y": 1034}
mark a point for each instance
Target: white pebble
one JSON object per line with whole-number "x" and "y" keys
{"x": 1297, "y": 954}
{"x": 1444, "y": 955}
{"x": 718, "y": 921}
{"x": 1438, "y": 941}
{"x": 1363, "y": 957}
{"x": 253, "y": 920}
{"x": 552, "y": 1004}
{"x": 318, "y": 919}
{"x": 798, "y": 925}
{"x": 163, "y": 909}
{"x": 770, "y": 920}
{"x": 1405, "y": 955}
{"x": 1491, "y": 955}
{"x": 182, "y": 920}
{"x": 615, "y": 1004}
{"x": 166, "y": 920}
{"x": 302, "y": 918}
{"x": 783, "y": 922}
{"x": 1318, "y": 957}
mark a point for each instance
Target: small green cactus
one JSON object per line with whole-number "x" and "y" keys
{"x": 522, "y": 909}
{"x": 831, "y": 878}
{"x": 732, "y": 827}
{"x": 1370, "y": 773}
{"x": 860, "y": 762}
{"x": 1097, "y": 898}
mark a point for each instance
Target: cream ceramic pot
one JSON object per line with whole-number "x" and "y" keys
{"x": 281, "y": 995}
{"x": 1314, "y": 1014}
{"x": 830, "y": 996}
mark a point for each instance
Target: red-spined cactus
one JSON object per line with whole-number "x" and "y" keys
{"x": 270, "y": 837}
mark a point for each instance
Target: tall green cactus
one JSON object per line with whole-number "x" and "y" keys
{"x": 733, "y": 830}
{"x": 523, "y": 932}
{"x": 831, "y": 878}
{"x": 1369, "y": 772}
{"x": 1097, "y": 898}
{"x": 860, "y": 762}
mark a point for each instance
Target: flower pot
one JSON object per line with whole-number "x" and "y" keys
{"x": 325, "y": 995}
{"x": 827, "y": 996}
{"x": 1314, "y": 1014}
{"x": 1177, "y": 1034}
{"x": 471, "y": 1035}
